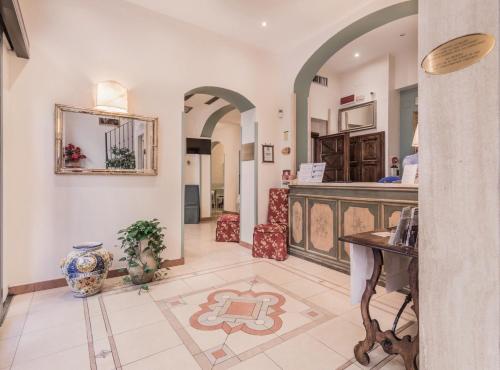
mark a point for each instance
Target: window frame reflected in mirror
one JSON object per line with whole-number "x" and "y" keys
{"x": 373, "y": 125}
{"x": 61, "y": 168}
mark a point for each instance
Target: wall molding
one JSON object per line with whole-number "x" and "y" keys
{"x": 61, "y": 282}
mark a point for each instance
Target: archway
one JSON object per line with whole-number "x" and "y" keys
{"x": 214, "y": 118}
{"x": 305, "y": 76}
{"x": 248, "y": 141}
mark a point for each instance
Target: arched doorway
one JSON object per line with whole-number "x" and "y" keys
{"x": 248, "y": 141}
{"x": 305, "y": 76}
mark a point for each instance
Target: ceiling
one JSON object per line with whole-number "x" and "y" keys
{"x": 381, "y": 41}
{"x": 197, "y": 102}
{"x": 289, "y": 22}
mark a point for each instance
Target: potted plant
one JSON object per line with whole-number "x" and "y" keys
{"x": 143, "y": 244}
{"x": 121, "y": 158}
{"x": 73, "y": 155}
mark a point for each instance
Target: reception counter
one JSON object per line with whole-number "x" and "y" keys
{"x": 321, "y": 213}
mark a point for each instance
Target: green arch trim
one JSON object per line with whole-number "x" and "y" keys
{"x": 214, "y": 144}
{"x": 326, "y": 51}
{"x": 214, "y": 118}
{"x": 236, "y": 99}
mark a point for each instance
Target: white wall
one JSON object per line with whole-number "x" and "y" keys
{"x": 459, "y": 200}
{"x": 158, "y": 59}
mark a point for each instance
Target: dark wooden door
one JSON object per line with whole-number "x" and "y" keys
{"x": 334, "y": 151}
{"x": 367, "y": 157}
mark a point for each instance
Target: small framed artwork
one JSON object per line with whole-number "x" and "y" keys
{"x": 109, "y": 121}
{"x": 268, "y": 153}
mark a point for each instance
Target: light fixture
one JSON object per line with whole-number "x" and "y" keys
{"x": 263, "y": 24}
{"x": 111, "y": 97}
{"x": 415, "y": 138}
{"x": 356, "y": 55}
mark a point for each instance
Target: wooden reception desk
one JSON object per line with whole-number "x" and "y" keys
{"x": 321, "y": 213}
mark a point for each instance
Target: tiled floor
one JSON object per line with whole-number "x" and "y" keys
{"x": 221, "y": 310}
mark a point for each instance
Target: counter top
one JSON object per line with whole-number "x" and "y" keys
{"x": 355, "y": 185}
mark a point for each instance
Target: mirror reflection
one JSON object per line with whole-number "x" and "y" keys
{"x": 94, "y": 141}
{"x": 359, "y": 117}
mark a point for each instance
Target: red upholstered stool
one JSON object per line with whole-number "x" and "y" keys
{"x": 228, "y": 228}
{"x": 271, "y": 240}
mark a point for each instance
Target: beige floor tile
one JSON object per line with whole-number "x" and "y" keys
{"x": 384, "y": 318}
{"x": 207, "y": 339}
{"x": 94, "y": 305}
{"x": 174, "y": 358}
{"x": 395, "y": 364}
{"x": 260, "y": 362}
{"x": 49, "y": 341}
{"x": 47, "y": 300}
{"x": 292, "y": 321}
{"x": 304, "y": 352}
{"x": 169, "y": 289}
{"x": 276, "y": 275}
{"x": 12, "y": 326}
{"x": 136, "y": 344}
{"x": 98, "y": 327}
{"x": 340, "y": 335}
{"x": 204, "y": 281}
{"x": 305, "y": 288}
{"x": 240, "y": 341}
{"x": 20, "y": 304}
{"x": 236, "y": 273}
{"x": 7, "y": 351}
{"x": 120, "y": 301}
{"x": 76, "y": 358}
{"x": 104, "y": 357}
{"x": 134, "y": 317}
{"x": 376, "y": 355}
{"x": 333, "y": 301}
{"x": 293, "y": 305}
{"x": 54, "y": 316}
{"x": 184, "y": 312}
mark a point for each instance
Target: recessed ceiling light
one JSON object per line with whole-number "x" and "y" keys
{"x": 356, "y": 55}
{"x": 263, "y": 24}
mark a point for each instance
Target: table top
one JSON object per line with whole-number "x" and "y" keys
{"x": 370, "y": 240}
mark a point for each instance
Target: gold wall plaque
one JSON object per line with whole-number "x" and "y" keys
{"x": 247, "y": 152}
{"x": 458, "y": 53}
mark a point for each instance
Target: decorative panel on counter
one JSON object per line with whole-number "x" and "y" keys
{"x": 297, "y": 222}
{"x": 321, "y": 227}
{"x": 321, "y": 213}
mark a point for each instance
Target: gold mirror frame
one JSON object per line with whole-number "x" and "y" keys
{"x": 352, "y": 107}
{"x": 60, "y": 169}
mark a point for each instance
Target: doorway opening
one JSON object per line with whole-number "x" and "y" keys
{"x": 219, "y": 126}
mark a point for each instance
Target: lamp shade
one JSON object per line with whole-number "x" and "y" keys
{"x": 111, "y": 97}
{"x": 415, "y": 138}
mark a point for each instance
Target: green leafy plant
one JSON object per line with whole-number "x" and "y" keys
{"x": 122, "y": 158}
{"x": 132, "y": 236}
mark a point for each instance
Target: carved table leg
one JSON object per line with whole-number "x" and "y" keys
{"x": 410, "y": 355}
{"x": 371, "y": 326}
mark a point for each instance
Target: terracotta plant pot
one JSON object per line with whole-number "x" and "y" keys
{"x": 137, "y": 274}
{"x": 73, "y": 164}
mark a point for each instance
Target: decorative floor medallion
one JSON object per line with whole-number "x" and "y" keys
{"x": 233, "y": 310}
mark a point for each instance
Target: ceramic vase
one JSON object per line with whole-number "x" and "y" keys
{"x": 85, "y": 268}
{"x": 137, "y": 273}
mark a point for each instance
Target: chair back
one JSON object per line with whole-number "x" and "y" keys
{"x": 277, "y": 212}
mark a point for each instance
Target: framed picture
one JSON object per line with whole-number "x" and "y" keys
{"x": 268, "y": 153}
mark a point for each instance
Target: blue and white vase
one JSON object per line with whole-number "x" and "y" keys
{"x": 86, "y": 268}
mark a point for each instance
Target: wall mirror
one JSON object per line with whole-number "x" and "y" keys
{"x": 358, "y": 117}
{"x": 90, "y": 141}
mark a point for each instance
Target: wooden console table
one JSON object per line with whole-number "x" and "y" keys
{"x": 407, "y": 346}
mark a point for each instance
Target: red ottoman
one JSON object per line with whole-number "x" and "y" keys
{"x": 270, "y": 241}
{"x": 228, "y": 228}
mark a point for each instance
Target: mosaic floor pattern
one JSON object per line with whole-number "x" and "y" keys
{"x": 223, "y": 309}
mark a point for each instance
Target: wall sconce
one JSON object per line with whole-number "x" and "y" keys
{"x": 111, "y": 97}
